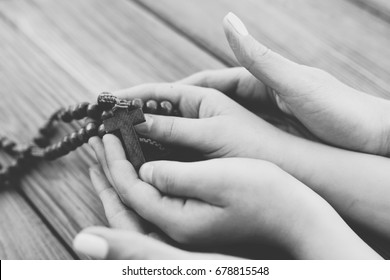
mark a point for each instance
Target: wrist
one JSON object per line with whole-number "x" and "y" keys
{"x": 323, "y": 234}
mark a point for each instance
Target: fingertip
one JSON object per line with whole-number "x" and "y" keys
{"x": 113, "y": 148}
{"x": 109, "y": 138}
{"x": 93, "y": 140}
{"x": 234, "y": 24}
{"x": 91, "y": 244}
{"x": 146, "y": 172}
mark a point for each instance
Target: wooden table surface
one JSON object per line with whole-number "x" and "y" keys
{"x": 57, "y": 53}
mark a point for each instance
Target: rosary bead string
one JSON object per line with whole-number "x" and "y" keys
{"x": 93, "y": 113}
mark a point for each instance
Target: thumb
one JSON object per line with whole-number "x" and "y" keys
{"x": 105, "y": 243}
{"x": 269, "y": 67}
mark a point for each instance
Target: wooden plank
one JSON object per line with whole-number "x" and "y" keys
{"x": 29, "y": 94}
{"x": 379, "y": 8}
{"x": 60, "y": 52}
{"x": 334, "y": 35}
{"x": 23, "y": 234}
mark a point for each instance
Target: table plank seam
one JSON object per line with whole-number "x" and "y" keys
{"x": 48, "y": 225}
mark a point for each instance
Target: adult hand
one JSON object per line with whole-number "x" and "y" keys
{"x": 333, "y": 111}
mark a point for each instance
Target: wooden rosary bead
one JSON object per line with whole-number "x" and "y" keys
{"x": 137, "y": 103}
{"x": 80, "y": 111}
{"x": 4, "y": 175}
{"x": 66, "y": 115}
{"x": 56, "y": 153}
{"x": 45, "y": 130}
{"x": 67, "y": 144}
{"x": 93, "y": 111}
{"x": 61, "y": 149}
{"x": 151, "y": 107}
{"x": 21, "y": 162}
{"x": 7, "y": 144}
{"x": 107, "y": 114}
{"x": 74, "y": 140}
{"x": 22, "y": 150}
{"x": 166, "y": 108}
{"x": 50, "y": 152}
{"x": 13, "y": 169}
{"x": 41, "y": 141}
{"x": 82, "y": 135}
{"x": 101, "y": 131}
{"x": 91, "y": 129}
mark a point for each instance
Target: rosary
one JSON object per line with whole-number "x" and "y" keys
{"x": 109, "y": 115}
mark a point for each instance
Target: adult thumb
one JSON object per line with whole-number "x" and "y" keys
{"x": 269, "y": 67}
{"x": 106, "y": 243}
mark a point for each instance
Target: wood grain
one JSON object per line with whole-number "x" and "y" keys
{"x": 56, "y": 53}
{"x": 337, "y": 36}
{"x": 23, "y": 234}
{"x": 122, "y": 123}
{"x": 379, "y": 8}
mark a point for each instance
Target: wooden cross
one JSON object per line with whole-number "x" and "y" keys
{"x": 123, "y": 121}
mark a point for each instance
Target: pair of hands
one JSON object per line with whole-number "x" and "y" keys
{"x": 230, "y": 200}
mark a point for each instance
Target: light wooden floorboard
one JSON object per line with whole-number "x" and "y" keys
{"x": 56, "y": 53}
{"x": 23, "y": 234}
{"x": 336, "y": 36}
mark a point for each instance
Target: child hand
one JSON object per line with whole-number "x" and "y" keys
{"x": 213, "y": 124}
{"x": 131, "y": 236}
{"x": 206, "y": 202}
{"x": 232, "y": 200}
{"x": 333, "y": 111}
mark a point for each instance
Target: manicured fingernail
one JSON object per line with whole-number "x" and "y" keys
{"x": 145, "y": 127}
{"x": 91, "y": 245}
{"x": 237, "y": 24}
{"x": 146, "y": 172}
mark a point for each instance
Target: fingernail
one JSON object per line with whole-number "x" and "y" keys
{"x": 93, "y": 171}
{"x": 91, "y": 245}
{"x": 146, "y": 172}
{"x": 144, "y": 127}
{"x": 237, "y": 24}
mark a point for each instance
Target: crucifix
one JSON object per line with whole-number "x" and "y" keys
{"x": 123, "y": 122}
